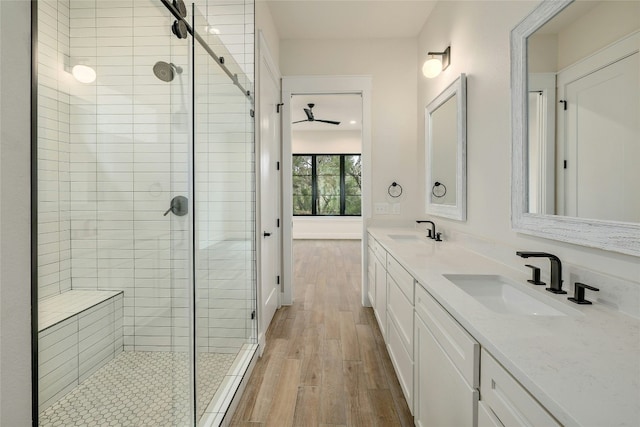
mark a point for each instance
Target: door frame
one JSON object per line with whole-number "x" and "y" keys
{"x": 301, "y": 85}
{"x": 265, "y": 59}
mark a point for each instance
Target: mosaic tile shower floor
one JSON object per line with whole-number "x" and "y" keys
{"x": 139, "y": 389}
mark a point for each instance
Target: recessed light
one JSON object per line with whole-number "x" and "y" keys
{"x": 353, "y": 122}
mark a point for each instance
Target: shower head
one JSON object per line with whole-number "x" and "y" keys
{"x": 166, "y": 71}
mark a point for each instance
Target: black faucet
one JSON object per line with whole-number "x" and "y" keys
{"x": 432, "y": 233}
{"x": 556, "y": 269}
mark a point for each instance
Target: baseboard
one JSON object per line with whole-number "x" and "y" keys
{"x": 328, "y": 236}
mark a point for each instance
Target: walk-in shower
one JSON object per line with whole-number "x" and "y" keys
{"x": 146, "y": 212}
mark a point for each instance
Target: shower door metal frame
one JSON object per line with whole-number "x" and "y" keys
{"x": 34, "y": 214}
{"x": 205, "y": 46}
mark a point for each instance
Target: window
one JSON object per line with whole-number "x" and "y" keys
{"x": 327, "y": 184}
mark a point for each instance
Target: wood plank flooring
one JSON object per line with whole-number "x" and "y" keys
{"x": 325, "y": 363}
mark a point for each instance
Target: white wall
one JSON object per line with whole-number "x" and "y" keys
{"x": 335, "y": 228}
{"x": 15, "y": 279}
{"x": 326, "y": 142}
{"x": 486, "y": 61}
{"x": 264, "y": 23}
{"x": 392, "y": 63}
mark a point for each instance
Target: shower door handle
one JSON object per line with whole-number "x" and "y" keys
{"x": 265, "y": 234}
{"x": 179, "y": 206}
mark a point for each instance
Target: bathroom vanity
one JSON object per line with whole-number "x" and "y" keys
{"x": 509, "y": 354}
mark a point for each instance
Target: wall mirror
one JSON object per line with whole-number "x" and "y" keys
{"x": 446, "y": 153}
{"x": 575, "y": 128}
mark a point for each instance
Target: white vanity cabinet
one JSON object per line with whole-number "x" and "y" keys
{"x": 400, "y": 287}
{"x": 378, "y": 283}
{"x": 505, "y": 402}
{"x": 446, "y": 369}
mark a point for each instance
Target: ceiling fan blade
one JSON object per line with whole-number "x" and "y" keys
{"x": 327, "y": 121}
{"x": 309, "y": 114}
{"x": 300, "y": 121}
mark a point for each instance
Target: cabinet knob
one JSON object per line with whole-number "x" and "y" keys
{"x": 578, "y": 293}
{"x": 535, "y": 275}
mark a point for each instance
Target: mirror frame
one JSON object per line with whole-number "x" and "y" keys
{"x": 622, "y": 237}
{"x": 459, "y": 210}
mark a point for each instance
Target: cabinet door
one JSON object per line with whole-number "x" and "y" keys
{"x": 371, "y": 271}
{"x": 509, "y": 401}
{"x": 460, "y": 346}
{"x": 442, "y": 397}
{"x": 402, "y": 361}
{"x": 381, "y": 296}
{"x": 400, "y": 309}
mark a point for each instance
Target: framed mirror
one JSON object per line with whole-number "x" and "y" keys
{"x": 575, "y": 98}
{"x": 446, "y": 153}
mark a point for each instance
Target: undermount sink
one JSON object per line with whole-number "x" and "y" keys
{"x": 403, "y": 237}
{"x": 502, "y": 295}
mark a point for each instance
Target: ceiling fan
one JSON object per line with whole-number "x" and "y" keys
{"x": 311, "y": 118}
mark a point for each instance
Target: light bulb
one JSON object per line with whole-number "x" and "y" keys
{"x": 83, "y": 73}
{"x": 432, "y": 67}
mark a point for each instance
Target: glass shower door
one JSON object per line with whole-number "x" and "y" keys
{"x": 224, "y": 223}
{"x": 115, "y": 294}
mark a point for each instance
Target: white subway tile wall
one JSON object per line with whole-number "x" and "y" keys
{"x": 113, "y": 153}
{"x": 54, "y": 250}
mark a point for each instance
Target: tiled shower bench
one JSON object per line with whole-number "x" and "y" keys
{"x": 79, "y": 331}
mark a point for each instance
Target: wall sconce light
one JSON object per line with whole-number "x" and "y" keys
{"x": 81, "y": 72}
{"x": 434, "y": 66}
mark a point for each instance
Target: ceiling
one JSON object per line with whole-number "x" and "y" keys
{"x": 343, "y": 19}
{"x": 349, "y": 19}
{"x": 343, "y": 108}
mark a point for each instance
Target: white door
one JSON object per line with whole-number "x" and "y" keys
{"x": 270, "y": 235}
{"x": 603, "y": 146}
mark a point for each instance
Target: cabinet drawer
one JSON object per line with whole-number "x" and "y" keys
{"x": 401, "y": 277}
{"x": 378, "y": 250}
{"x": 508, "y": 400}
{"x": 401, "y": 309}
{"x": 402, "y": 361}
{"x": 462, "y": 349}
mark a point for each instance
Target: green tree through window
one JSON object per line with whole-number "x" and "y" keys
{"x": 327, "y": 184}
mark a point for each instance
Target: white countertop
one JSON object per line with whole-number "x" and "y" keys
{"x": 585, "y": 369}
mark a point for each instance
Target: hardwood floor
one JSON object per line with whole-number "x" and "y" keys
{"x": 325, "y": 363}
